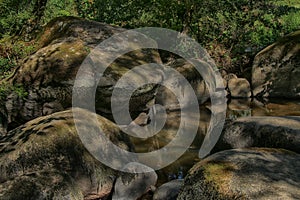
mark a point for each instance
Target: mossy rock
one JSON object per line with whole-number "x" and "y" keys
{"x": 276, "y": 71}
{"x": 45, "y": 159}
{"x": 48, "y": 75}
{"x": 256, "y": 173}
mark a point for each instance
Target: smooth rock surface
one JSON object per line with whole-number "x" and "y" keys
{"x": 256, "y": 173}
{"x": 239, "y": 88}
{"x": 45, "y": 159}
{"x": 168, "y": 191}
{"x": 131, "y": 186}
{"x": 272, "y": 132}
{"x": 276, "y": 70}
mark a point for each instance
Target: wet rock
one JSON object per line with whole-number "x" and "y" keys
{"x": 239, "y": 108}
{"x": 257, "y": 173}
{"x": 239, "y": 104}
{"x": 131, "y": 186}
{"x": 168, "y": 191}
{"x": 45, "y": 159}
{"x": 276, "y": 71}
{"x": 273, "y": 132}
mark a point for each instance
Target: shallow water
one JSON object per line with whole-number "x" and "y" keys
{"x": 236, "y": 108}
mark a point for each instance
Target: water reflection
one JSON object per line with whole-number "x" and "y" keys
{"x": 274, "y": 107}
{"x": 179, "y": 168}
{"x": 236, "y": 108}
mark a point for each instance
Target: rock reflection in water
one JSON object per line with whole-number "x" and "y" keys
{"x": 251, "y": 107}
{"x": 179, "y": 168}
{"x": 236, "y": 108}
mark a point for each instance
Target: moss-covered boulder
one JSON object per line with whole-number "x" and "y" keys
{"x": 45, "y": 159}
{"x": 276, "y": 69}
{"x": 47, "y": 76}
{"x": 258, "y": 173}
{"x": 271, "y": 132}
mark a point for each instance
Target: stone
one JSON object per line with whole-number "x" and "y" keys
{"x": 256, "y": 173}
{"x": 133, "y": 185}
{"x": 3, "y": 119}
{"x": 48, "y": 75}
{"x": 45, "y": 159}
{"x": 261, "y": 131}
{"x": 168, "y": 191}
{"x": 167, "y": 98}
{"x": 239, "y": 88}
{"x": 239, "y": 108}
{"x": 229, "y": 76}
{"x": 276, "y": 71}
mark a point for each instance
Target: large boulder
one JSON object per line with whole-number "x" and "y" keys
{"x": 168, "y": 191}
{"x": 133, "y": 185}
{"x": 236, "y": 87}
{"x": 276, "y": 70}
{"x": 45, "y": 159}
{"x": 258, "y": 173}
{"x": 239, "y": 88}
{"x": 272, "y": 132}
{"x": 47, "y": 77}
{"x": 3, "y": 118}
{"x": 167, "y": 98}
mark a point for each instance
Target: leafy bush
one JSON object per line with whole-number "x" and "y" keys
{"x": 18, "y": 17}
{"x": 14, "y": 14}
{"x": 232, "y": 31}
{"x": 11, "y": 53}
{"x": 6, "y": 89}
{"x": 236, "y": 29}
{"x": 57, "y": 8}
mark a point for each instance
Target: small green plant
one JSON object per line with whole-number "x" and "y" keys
{"x": 11, "y": 53}
{"x": 6, "y": 89}
{"x": 291, "y": 21}
{"x": 20, "y": 91}
{"x": 6, "y": 64}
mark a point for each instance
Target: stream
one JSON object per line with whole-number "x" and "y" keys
{"x": 236, "y": 108}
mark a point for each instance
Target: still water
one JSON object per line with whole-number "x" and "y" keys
{"x": 236, "y": 108}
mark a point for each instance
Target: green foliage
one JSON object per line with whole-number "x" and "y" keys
{"x": 133, "y": 13}
{"x": 232, "y": 31}
{"x": 11, "y": 52}
{"x": 57, "y": 8}
{"x": 291, "y": 21}
{"x": 14, "y": 14}
{"x": 6, "y": 89}
{"x": 5, "y": 65}
{"x": 18, "y": 17}
{"x": 237, "y": 30}
{"x": 86, "y": 8}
